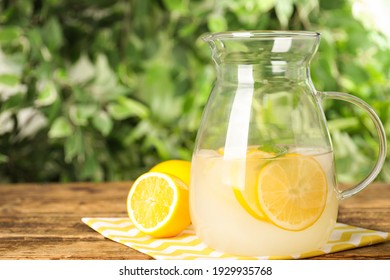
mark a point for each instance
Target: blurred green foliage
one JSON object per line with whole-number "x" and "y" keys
{"x": 102, "y": 90}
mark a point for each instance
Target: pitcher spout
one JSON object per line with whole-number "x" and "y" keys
{"x": 251, "y": 47}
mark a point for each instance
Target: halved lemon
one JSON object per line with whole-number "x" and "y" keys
{"x": 158, "y": 204}
{"x": 292, "y": 192}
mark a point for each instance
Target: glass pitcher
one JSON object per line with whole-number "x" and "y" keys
{"x": 263, "y": 177}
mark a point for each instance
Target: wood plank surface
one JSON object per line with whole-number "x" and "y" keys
{"x": 43, "y": 221}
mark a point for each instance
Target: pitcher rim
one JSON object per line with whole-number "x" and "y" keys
{"x": 261, "y": 34}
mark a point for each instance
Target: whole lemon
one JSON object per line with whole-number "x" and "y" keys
{"x": 176, "y": 167}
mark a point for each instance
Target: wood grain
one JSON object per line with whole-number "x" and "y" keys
{"x": 43, "y": 221}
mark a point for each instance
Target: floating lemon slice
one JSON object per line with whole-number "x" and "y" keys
{"x": 246, "y": 172}
{"x": 158, "y": 204}
{"x": 249, "y": 204}
{"x": 292, "y": 191}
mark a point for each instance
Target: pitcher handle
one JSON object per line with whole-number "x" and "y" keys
{"x": 382, "y": 140}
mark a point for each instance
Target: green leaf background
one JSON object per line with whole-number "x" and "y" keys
{"x": 110, "y": 88}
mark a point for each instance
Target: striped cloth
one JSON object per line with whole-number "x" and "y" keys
{"x": 187, "y": 245}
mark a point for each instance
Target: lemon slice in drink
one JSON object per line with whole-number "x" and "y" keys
{"x": 247, "y": 170}
{"x": 292, "y": 192}
{"x": 158, "y": 204}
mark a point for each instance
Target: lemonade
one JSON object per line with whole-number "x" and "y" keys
{"x": 263, "y": 204}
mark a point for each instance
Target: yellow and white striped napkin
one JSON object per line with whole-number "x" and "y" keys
{"x": 187, "y": 245}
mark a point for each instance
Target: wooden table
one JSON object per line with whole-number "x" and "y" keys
{"x": 43, "y": 221}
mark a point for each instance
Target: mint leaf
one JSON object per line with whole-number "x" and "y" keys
{"x": 273, "y": 148}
